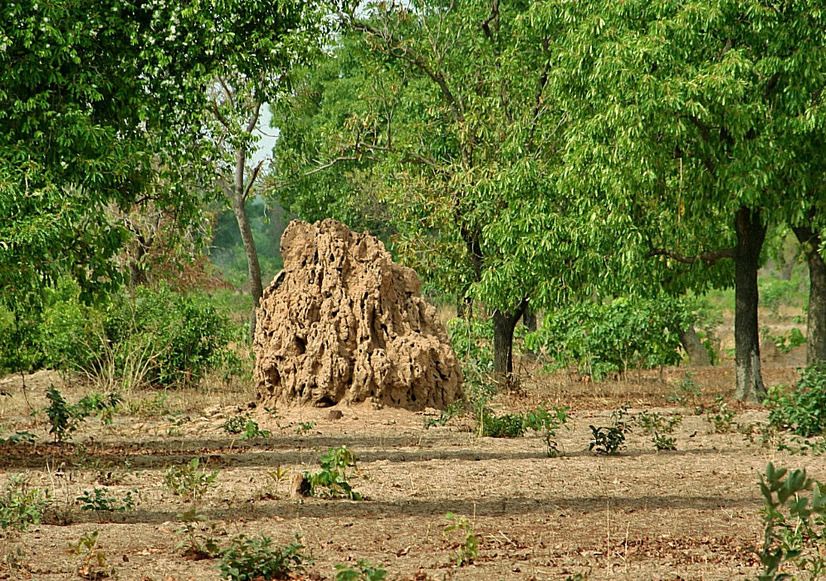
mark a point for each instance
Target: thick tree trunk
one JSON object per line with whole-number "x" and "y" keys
{"x": 503, "y": 326}
{"x": 697, "y": 354}
{"x": 816, "y": 318}
{"x": 750, "y": 236}
{"x": 240, "y": 209}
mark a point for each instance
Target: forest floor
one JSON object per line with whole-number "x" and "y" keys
{"x": 691, "y": 514}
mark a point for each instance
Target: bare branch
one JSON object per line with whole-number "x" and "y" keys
{"x": 253, "y": 177}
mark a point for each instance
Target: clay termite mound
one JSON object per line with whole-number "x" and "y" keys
{"x": 343, "y": 323}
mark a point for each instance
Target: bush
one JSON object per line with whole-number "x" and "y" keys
{"x": 185, "y": 334}
{"x": 248, "y": 559}
{"x": 21, "y": 505}
{"x": 603, "y": 339}
{"x": 803, "y": 408}
{"x": 71, "y": 333}
{"x": 794, "y": 524}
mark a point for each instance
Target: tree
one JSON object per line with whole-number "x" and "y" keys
{"x": 461, "y": 138}
{"x": 696, "y": 119}
{"x": 102, "y": 107}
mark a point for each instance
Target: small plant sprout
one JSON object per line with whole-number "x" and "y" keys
{"x": 189, "y": 481}
{"x": 332, "y": 481}
{"x": 361, "y": 571}
{"x": 468, "y": 544}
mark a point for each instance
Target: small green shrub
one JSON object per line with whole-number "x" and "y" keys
{"x": 802, "y": 409}
{"x": 64, "y": 418}
{"x": 794, "y": 525}
{"x": 250, "y": 559}
{"x": 93, "y": 564}
{"x": 686, "y": 392}
{"x": 608, "y": 440}
{"x": 19, "y": 438}
{"x": 363, "y": 571}
{"x": 540, "y": 420}
{"x": 21, "y": 505}
{"x": 664, "y": 442}
{"x": 199, "y": 536}
{"x": 189, "y": 481}
{"x": 98, "y": 500}
{"x": 720, "y": 417}
{"x": 332, "y": 481}
{"x": 655, "y": 422}
{"x": 246, "y": 426}
{"x": 468, "y": 545}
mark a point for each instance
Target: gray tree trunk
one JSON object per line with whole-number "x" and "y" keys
{"x": 239, "y": 207}
{"x": 697, "y": 354}
{"x": 816, "y": 318}
{"x": 750, "y": 236}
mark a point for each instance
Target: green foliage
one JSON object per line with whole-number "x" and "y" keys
{"x": 541, "y": 420}
{"x": 664, "y": 442}
{"x": 185, "y": 334}
{"x": 784, "y": 342}
{"x": 686, "y": 392}
{"x": 246, "y": 426}
{"x": 720, "y": 417}
{"x": 249, "y": 559}
{"x": 65, "y": 418}
{"x": 189, "y": 481}
{"x": 93, "y": 564}
{"x": 608, "y": 440}
{"x": 18, "y": 438}
{"x": 332, "y": 480}
{"x": 199, "y": 540}
{"x": 803, "y": 408}
{"x": 603, "y": 339}
{"x": 21, "y": 505}
{"x": 794, "y": 524}
{"x": 363, "y": 571}
{"x": 70, "y": 332}
{"x": 98, "y": 500}
{"x": 468, "y": 545}
{"x": 656, "y": 422}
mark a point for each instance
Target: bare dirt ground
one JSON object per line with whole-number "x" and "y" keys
{"x": 690, "y": 514}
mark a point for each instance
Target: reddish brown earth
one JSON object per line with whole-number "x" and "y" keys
{"x": 642, "y": 515}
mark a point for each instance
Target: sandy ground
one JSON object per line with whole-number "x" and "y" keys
{"x": 693, "y": 513}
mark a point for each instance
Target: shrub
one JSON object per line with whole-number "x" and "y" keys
{"x": 71, "y": 332}
{"x": 185, "y": 334}
{"x": 802, "y": 409}
{"x": 98, "y": 500}
{"x": 794, "y": 524}
{"x": 363, "y": 571}
{"x": 468, "y": 546}
{"x": 332, "y": 481}
{"x": 21, "y": 505}
{"x": 189, "y": 481}
{"x": 603, "y": 339}
{"x": 248, "y": 559}
{"x": 64, "y": 418}
{"x": 541, "y": 420}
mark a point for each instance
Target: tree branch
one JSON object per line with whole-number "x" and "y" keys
{"x": 252, "y": 179}
{"x": 707, "y": 257}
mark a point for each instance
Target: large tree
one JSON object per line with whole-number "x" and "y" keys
{"x": 696, "y": 119}
{"x": 452, "y": 114}
{"x": 101, "y": 107}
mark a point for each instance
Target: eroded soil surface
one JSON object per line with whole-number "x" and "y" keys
{"x": 693, "y": 513}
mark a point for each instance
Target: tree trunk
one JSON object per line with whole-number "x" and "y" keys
{"x": 697, "y": 354}
{"x": 529, "y": 319}
{"x": 239, "y": 207}
{"x": 503, "y": 326}
{"x": 750, "y": 236}
{"x": 816, "y": 318}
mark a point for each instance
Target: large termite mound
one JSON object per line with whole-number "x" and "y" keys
{"x": 343, "y": 323}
